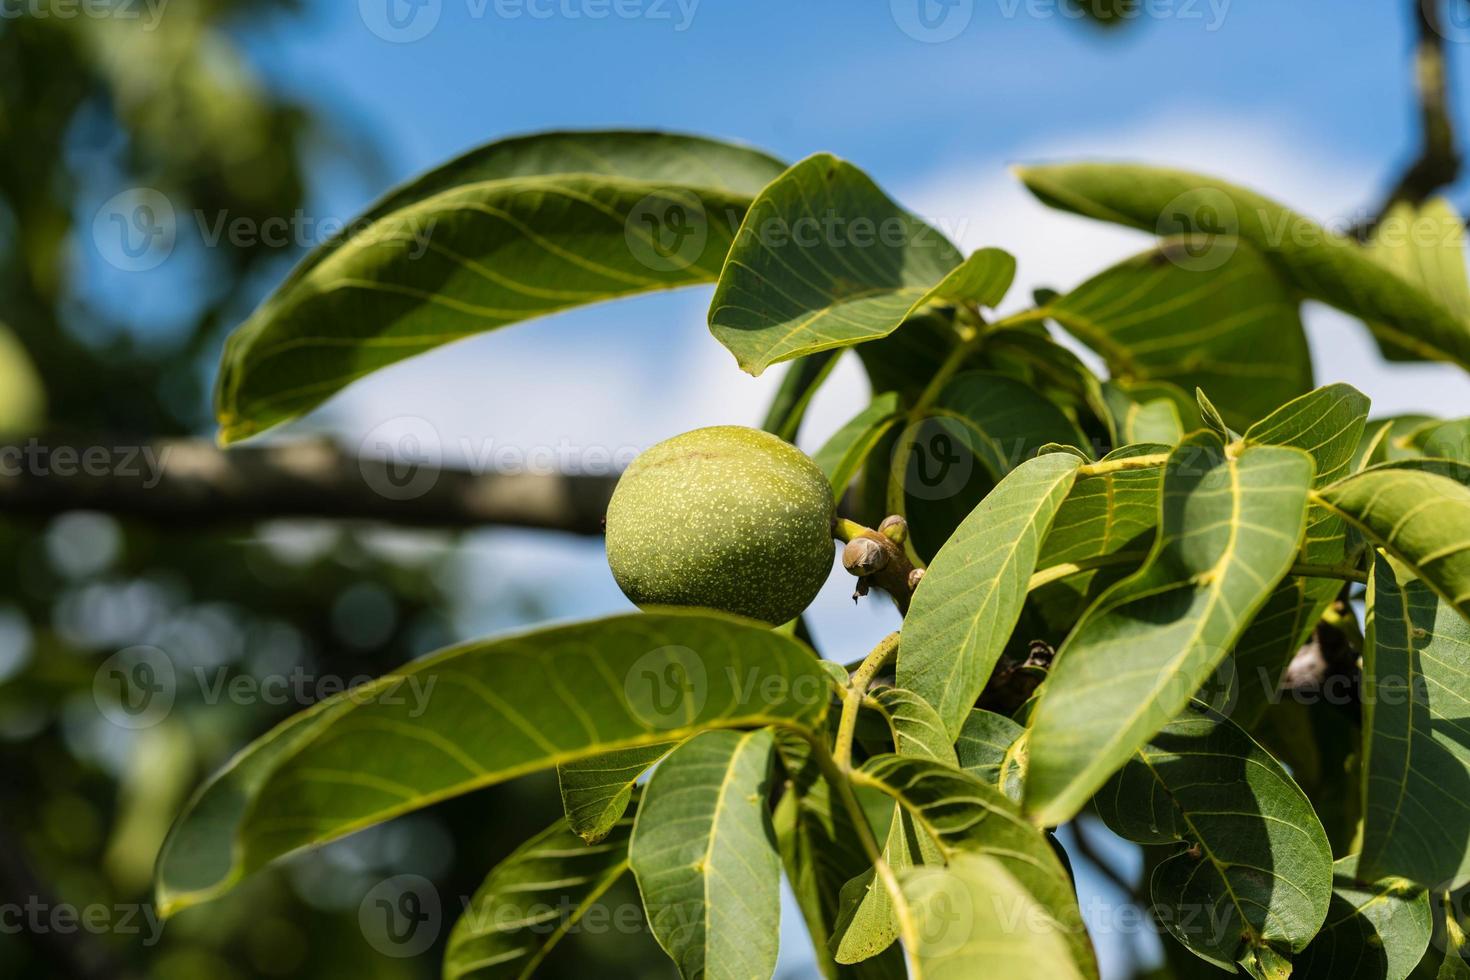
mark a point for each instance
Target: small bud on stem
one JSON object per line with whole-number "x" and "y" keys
{"x": 895, "y": 528}
{"x": 863, "y": 556}
{"x": 877, "y": 558}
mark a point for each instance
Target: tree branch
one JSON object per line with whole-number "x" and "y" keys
{"x": 1439, "y": 160}
{"x": 191, "y": 483}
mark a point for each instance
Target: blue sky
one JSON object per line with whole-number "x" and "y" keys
{"x": 1309, "y": 101}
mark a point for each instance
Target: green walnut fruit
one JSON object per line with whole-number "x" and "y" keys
{"x": 726, "y": 518}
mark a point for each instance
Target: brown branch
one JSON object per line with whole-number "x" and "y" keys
{"x": 1439, "y": 160}
{"x": 191, "y": 483}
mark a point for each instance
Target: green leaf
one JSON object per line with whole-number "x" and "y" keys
{"x": 1328, "y": 424}
{"x": 595, "y": 791}
{"x": 799, "y": 385}
{"x": 869, "y": 922}
{"x": 22, "y": 395}
{"x": 963, "y": 815}
{"x": 1158, "y": 317}
{"x": 989, "y": 748}
{"x": 1318, "y": 263}
{"x": 1448, "y": 440}
{"x": 820, "y": 852}
{"x": 968, "y": 602}
{"x": 980, "y": 427}
{"x": 513, "y": 230}
{"x": 1142, "y": 414}
{"x": 1257, "y": 871}
{"x": 1421, "y": 517}
{"x": 1107, "y": 520}
{"x": 1424, "y": 245}
{"x": 845, "y": 453}
{"x": 1031, "y": 355}
{"x": 1416, "y": 702}
{"x": 1230, "y": 525}
{"x": 1454, "y": 966}
{"x": 1211, "y": 415}
{"x": 917, "y": 729}
{"x": 531, "y": 900}
{"x": 974, "y": 918}
{"x": 825, "y": 259}
{"x": 478, "y": 714}
{"x": 1372, "y": 930}
{"x": 704, "y": 854}
{"x": 1002, "y": 421}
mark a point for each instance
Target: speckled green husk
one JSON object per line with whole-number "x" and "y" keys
{"x": 726, "y": 518}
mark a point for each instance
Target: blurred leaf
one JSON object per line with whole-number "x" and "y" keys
{"x": 847, "y": 450}
{"x": 1448, "y": 440}
{"x": 968, "y": 602}
{"x": 1372, "y": 930}
{"x": 1141, "y": 412}
{"x": 513, "y": 230}
{"x": 1322, "y": 265}
{"x": 478, "y": 714}
{"x": 1230, "y": 526}
{"x": 1416, "y": 728}
{"x": 531, "y": 900}
{"x": 974, "y": 918}
{"x": 1424, "y": 245}
{"x": 799, "y": 385}
{"x": 595, "y": 791}
{"x": 1160, "y": 317}
{"x": 704, "y": 853}
{"x": 1256, "y": 851}
{"x": 22, "y": 396}
{"x": 825, "y": 259}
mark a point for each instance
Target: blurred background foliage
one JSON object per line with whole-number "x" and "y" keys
{"x": 88, "y": 102}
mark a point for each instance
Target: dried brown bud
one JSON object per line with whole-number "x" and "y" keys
{"x": 915, "y": 577}
{"x": 863, "y": 556}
